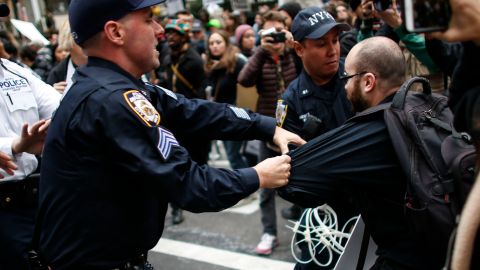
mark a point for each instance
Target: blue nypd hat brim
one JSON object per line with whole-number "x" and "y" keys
{"x": 324, "y": 29}
{"x": 149, "y": 3}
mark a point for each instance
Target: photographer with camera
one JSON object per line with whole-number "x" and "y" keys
{"x": 271, "y": 69}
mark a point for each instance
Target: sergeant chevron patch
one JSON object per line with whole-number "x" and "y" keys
{"x": 166, "y": 141}
{"x": 240, "y": 113}
{"x": 142, "y": 107}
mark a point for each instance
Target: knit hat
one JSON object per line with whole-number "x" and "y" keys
{"x": 291, "y": 8}
{"x": 241, "y": 29}
{"x": 179, "y": 25}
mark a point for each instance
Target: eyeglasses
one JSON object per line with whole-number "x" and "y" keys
{"x": 345, "y": 76}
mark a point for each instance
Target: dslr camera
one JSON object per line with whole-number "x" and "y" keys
{"x": 277, "y": 37}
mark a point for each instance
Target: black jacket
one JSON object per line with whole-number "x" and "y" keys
{"x": 58, "y": 72}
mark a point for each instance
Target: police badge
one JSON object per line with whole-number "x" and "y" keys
{"x": 281, "y": 112}
{"x": 142, "y": 108}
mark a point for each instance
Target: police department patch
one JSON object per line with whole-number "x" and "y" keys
{"x": 281, "y": 112}
{"x": 166, "y": 141}
{"x": 142, "y": 107}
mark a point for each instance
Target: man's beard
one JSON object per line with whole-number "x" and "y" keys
{"x": 356, "y": 98}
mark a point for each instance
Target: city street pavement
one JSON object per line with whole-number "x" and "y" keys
{"x": 224, "y": 240}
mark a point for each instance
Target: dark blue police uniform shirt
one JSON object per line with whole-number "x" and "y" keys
{"x": 328, "y": 103}
{"x": 111, "y": 164}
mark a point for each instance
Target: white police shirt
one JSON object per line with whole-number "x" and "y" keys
{"x": 24, "y": 98}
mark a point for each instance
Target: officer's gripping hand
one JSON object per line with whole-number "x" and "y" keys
{"x": 6, "y": 164}
{"x": 31, "y": 140}
{"x": 273, "y": 172}
{"x": 282, "y": 138}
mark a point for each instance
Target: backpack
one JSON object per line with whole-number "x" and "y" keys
{"x": 438, "y": 161}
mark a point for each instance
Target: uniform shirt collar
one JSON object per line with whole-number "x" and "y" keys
{"x": 100, "y": 62}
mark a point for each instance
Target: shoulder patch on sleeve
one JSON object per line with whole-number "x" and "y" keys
{"x": 166, "y": 141}
{"x": 142, "y": 108}
{"x": 281, "y": 112}
{"x": 240, "y": 113}
{"x": 169, "y": 93}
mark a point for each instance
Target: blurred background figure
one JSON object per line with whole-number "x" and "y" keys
{"x": 61, "y": 74}
{"x": 289, "y": 10}
{"x": 230, "y": 23}
{"x": 223, "y": 63}
{"x": 245, "y": 39}
{"x": 271, "y": 69}
{"x": 197, "y": 36}
{"x": 185, "y": 75}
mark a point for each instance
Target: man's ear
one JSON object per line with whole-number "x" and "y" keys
{"x": 299, "y": 49}
{"x": 114, "y": 32}
{"x": 370, "y": 81}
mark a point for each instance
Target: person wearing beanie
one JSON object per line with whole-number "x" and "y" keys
{"x": 290, "y": 10}
{"x": 245, "y": 39}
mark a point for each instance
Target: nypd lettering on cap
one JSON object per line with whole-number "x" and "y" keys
{"x": 320, "y": 17}
{"x": 166, "y": 141}
{"x": 142, "y": 107}
{"x": 240, "y": 113}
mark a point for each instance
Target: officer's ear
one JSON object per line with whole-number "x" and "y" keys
{"x": 299, "y": 49}
{"x": 114, "y": 32}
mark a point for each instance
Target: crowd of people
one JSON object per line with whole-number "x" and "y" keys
{"x": 100, "y": 115}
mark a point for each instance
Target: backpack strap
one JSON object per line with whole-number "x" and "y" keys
{"x": 399, "y": 99}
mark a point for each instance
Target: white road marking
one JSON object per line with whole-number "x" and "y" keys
{"x": 219, "y": 257}
{"x": 245, "y": 209}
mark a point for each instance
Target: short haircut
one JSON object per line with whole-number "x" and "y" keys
{"x": 384, "y": 58}
{"x": 273, "y": 16}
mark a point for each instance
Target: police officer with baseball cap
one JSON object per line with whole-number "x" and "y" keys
{"x": 111, "y": 159}
{"x": 319, "y": 90}
{"x": 316, "y": 101}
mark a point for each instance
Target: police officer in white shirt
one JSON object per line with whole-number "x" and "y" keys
{"x": 26, "y": 104}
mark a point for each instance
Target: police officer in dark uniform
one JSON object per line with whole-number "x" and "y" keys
{"x": 316, "y": 101}
{"x": 111, "y": 159}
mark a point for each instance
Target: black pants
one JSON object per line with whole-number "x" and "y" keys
{"x": 18, "y": 207}
{"x": 16, "y": 231}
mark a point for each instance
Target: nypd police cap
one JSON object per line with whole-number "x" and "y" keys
{"x": 314, "y": 23}
{"x": 88, "y": 17}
